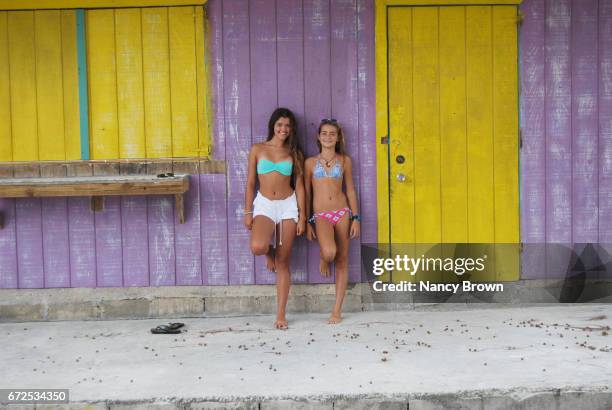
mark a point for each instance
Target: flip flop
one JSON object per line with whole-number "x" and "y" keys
{"x": 175, "y": 326}
{"x": 163, "y": 329}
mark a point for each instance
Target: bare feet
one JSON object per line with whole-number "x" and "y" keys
{"x": 335, "y": 318}
{"x": 281, "y": 323}
{"x": 270, "y": 260}
{"x": 324, "y": 268}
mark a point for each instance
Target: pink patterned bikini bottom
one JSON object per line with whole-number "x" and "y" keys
{"x": 332, "y": 216}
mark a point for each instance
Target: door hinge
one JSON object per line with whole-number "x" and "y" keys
{"x": 520, "y": 139}
{"x": 384, "y": 140}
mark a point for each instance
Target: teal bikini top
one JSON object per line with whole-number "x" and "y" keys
{"x": 265, "y": 167}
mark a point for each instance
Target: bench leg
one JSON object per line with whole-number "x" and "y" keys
{"x": 1, "y": 220}
{"x": 180, "y": 207}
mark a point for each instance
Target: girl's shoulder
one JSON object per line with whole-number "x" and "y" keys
{"x": 310, "y": 161}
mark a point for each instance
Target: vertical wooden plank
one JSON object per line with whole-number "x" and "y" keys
{"x": 426, "y": 86}
{"x": 215, "y": 35}
{"x": 22, "y": 66}
{"x": 317, "y": 95}
{"x": 56, "y": 246}
{"x": 237, "y": 86}
{"x": 479, "y": 111}
{"x": 604, "y": 82}
{"x": 70, "y": 82}
{"x": 453, "y": 138}
{"x": 205, "y": 137}
{"x": 558, "y": 134}
{"x": 533, "y": 164}
{"x": 401, "y": 108}
{"x": 382, "y": 123}
{"x": 28, "y": 226}
{"x": 102, "y": 70}
{"x": 188, "y": 240}
{"x": 505, "y": 137}
{"x": 84, "y": 120}
{"x": 183, "y": 94}
{"x": 8, "y": 236}
{"x": 290, "y": 60}
{"x": 584, "y": 122}
{"x": 264, "y": 88}
{"x": 6, "y": 143}
{"x": 134, "y": 232}
{"x": 81, "y": 234}
{"x": 160, "y": 217}
{"x": 156, "y": 77}
{"x": 367, "y": 118}
{"x": 130, "y": 93}
{"x": 109, "y": 253}
{"x": 344, "y": 97}
{"x": 213, "y": 206}
{"x": 49, "y": 90}
{"x": 426, "y": 125}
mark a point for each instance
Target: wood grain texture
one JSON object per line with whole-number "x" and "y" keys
{"x": 215, "y": 254}
{"x": 367, "y": 115}
{"x": 558, "y": 134}
{"x": 317, "y": 95}
{"x": 6, "y": 137}
{"x": 109, "y": 253}
{"x": 28, "y": 228}
{"x": 55, "y": 240}
{"x": 344, "y": 96}
{"x": 532, "y": 46}
{"x": 264, "y": 87}
{"x": 130, "y": 104}
{"x": 188, "y": 235}
{"x": 81, "y": 235}
{"x": 290, "y": 68}
{"x": 237, "y": 100}
{"x": 135, "y": 235}
{"x": 8, "y": 238}
{"x": 160, "y": 214}
{"x": 604, "y": 103}
{"x": 22, "y": 66}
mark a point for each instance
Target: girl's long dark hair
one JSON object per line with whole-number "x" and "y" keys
{"x": 292, "y": 141}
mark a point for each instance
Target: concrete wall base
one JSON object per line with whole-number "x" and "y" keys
{"x": 18, "y": 305}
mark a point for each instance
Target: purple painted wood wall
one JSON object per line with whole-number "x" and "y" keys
{"x": 315, "y": 57}
{"x": 566, "y": 121}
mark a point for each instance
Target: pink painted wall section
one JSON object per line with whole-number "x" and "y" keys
{"x": 315, "y": 57}
{"x": 566, "y": 122}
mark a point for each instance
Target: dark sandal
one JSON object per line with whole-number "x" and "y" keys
{"x": 163, "y": 329}
{"x": 174, "y": 326}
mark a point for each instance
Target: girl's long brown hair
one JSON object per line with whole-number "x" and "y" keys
{"x": 292, "y": 141}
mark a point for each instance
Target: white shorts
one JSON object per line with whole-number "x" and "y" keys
{"x": 277, "y": 210}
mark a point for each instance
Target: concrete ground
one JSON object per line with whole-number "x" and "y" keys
{"x": 521, "y": 357}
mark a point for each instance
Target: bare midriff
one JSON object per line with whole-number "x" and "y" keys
{"x": 328, "y": 194}
{"x": 274, "y": 185}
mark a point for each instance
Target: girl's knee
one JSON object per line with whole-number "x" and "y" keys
{"x": 328, "y": 253}
{"x": 259, "y": 248}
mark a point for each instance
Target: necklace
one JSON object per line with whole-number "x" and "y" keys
{"x": 328, "y": 161}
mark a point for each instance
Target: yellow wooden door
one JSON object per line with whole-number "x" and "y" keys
{"x": 453, "y": 131}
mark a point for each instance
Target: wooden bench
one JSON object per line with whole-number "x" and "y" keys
{"x": 121, "y": 177}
